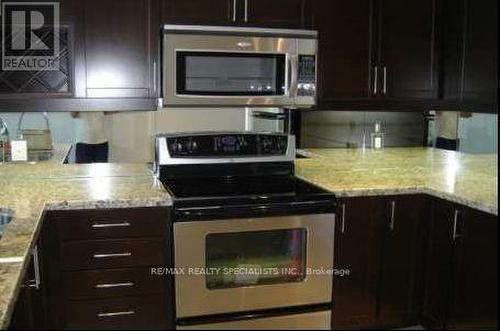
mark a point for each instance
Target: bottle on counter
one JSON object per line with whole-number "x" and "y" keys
{"x": 4, "y": 142}
{"x": 377, "y": 136}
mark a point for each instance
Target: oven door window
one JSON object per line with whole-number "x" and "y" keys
{"x": 255, "y": 258}
{"x": 230, "y": 74}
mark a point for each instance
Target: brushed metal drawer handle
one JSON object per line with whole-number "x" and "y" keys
{"x": 110, "y": 225}
{"x": 113, "y": 285}
{"x": 104, "y": 256}
{"x": 118, "y": 313}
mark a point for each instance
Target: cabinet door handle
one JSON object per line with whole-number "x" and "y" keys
{"x": 154, "y": 77}
{"x": 110, "y": 225}
{"x": 246, "y": 11}
{"x": 234, "y": 10}
{"x": 114, "y": 314}
{"x": 375, "y": 81}
{"x": 455, "y": 225}
{"x": 36, "y": 266}
{"x": 342, "y": 229}
{"x": 113, "y": 285}
{"x": 393, "y": 214}
{"x": 384, "y": 88}
{"x": 105, "y": 256}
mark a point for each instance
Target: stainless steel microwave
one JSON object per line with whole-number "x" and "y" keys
{"x": 236, "y": 66}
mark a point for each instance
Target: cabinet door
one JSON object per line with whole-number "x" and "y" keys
{"x": 480, "y": 62}
{"x": 345, "y": 49}
{"x": 198, "y": 11}
{"x": 120, "y": 43}
{"x": 402, "y": 260}
{"x": 407, "y": 49}
{"x": 439, "y": 252}
{"x": 474, "y": 297}
{"x": 356, "y": 250}
{"x": 29, "y": 311}
{"x": 276, "y": 13}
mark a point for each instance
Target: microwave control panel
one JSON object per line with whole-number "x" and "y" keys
{"x": 227, "y": 145}
{"x": 306, "y": 76}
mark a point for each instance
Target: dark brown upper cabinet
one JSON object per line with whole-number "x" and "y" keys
{"x": 277, "y": 13}
{"x": 470, "y": 54}
{"x": 405, "y": 62}
{"x": 374, "y": 51}
{"x": 345, "y": 48}
{"x": 121, "y": 40}
{"x": 217, "y": 12}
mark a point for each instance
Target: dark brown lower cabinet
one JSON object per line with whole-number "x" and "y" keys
{"x": 357, "y": 236}
{"x": 462, "y": 274}
{"x": 380, "y": 241}
{"x": 98, "y": 269}
{"x": 402, "y": 260}
{"x": 29, "y": 312}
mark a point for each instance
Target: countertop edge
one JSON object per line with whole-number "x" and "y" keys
{"x": 406, "y": 190}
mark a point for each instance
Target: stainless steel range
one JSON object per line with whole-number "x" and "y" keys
{"x": 255, "y": 243}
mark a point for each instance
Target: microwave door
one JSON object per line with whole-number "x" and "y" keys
{"x": 228, "y": 70}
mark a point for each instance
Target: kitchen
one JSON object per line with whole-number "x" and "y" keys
{"x": 249, "y": 164}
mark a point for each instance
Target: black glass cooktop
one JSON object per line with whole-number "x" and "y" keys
{"x": 243, "y": 190}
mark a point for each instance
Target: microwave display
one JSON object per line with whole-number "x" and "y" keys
{"x": 230, "y": 74}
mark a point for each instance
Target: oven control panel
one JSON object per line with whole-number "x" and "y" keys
{"x": 227, "y": 145}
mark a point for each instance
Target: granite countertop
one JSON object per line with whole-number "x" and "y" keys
{"x": 31, "y": 188}
{"x": 468, "y": 179}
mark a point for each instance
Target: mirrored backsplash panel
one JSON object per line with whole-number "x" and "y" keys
{"x": 341, "y": 129}
{"x": 478, "y": 133}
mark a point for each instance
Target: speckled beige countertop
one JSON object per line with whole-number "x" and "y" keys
{"x": 468, "y": 179}
{"x": 31, "y": 188}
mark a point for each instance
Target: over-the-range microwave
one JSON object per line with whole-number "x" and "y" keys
{"x": 237, "y": 66}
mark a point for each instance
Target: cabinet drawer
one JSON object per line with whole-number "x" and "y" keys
{"x": 111, "y": 223}
{"x": 97, "y": 284}
{"x": 145, "y": 312}
{"x": 91, "y": 255}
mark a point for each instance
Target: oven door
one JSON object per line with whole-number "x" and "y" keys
{"x": 211, "y": 70}
{"x": 240, "y": 265}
